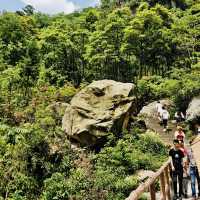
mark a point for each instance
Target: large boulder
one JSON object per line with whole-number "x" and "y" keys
{"x": 99, "y": 108}
{"x": 193, "y": 111}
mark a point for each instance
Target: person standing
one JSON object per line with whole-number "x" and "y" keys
{"x": 165, "y": 117}
{"x": 194, "y": 173}
{"x": 177, "y": 168}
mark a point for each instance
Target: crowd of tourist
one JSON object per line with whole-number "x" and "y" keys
{"x": 184, "y": 167}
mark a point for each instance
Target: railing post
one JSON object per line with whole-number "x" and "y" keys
{"x": 162, "y": 186}
{"x": 170, "y": 177}
{"x": 167, "y": 188}
{"x": 152, "y": 191}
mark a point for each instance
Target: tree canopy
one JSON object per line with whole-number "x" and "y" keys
{"x": 46, "y": 59}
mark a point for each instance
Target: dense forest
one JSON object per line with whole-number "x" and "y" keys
{"x": 46, "y": 59}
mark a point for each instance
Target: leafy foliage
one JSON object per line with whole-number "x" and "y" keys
{"x": 45, "y": 60}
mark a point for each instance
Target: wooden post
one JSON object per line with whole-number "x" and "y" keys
{"x": 170, "y": 178}
{"x": 162, "y": 186}
{"x": 167, "y": 188}
{"x": 152, "y": 191}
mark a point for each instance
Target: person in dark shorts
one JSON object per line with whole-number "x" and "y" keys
{"x": 179, "y": 117}
{"x": 165, "y": 117}
{"x": 177, "y": 168}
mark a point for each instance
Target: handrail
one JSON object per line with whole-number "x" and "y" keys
{"x": 193, "y": 143}
{"x": 164, "y": 175}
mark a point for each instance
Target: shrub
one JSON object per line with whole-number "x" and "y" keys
{"x": 55, "y": 188}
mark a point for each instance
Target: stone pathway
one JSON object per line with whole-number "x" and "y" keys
{"x": 167, "y": 138}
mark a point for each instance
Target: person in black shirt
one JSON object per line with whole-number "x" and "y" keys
{"x": 177, "y": 168}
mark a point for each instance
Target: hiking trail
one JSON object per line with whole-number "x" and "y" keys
{"x": 168, "y": 136}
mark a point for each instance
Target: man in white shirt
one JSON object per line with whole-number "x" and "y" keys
{"x": 159, "y": 109}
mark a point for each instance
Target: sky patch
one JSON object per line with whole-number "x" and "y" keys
{"x": 52, "y": 6}
{"x": 48, "y": 6}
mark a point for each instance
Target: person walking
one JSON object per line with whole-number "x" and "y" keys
{"x": 179, "y": 117}
{"x": 194, "y": 173}
{"x": 159, "y": 110}
{"x": 164, "y": 117}
{"x": 177, "y": 168}
{"x": 186, "y": 176}
{"x": 179, "y": 134}
{"x": 183, "y": 148}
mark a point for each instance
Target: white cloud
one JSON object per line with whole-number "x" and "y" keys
{"x": 52, "y": 6}
{"x": 95, "y": 3}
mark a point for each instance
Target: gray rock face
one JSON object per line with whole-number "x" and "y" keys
{"x": 100, "y": 107}
{"x": 193, "y": 111}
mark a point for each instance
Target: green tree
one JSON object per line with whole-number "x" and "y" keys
{"x": 103, "y": 49}
{"x": 61, "y": 57}
{"x": 14, "y": 32}
{"x": 29, "y": 10}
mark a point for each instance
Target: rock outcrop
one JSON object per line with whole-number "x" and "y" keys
{"x": 100, "y": 107}
{"x": 193, "y": 111}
